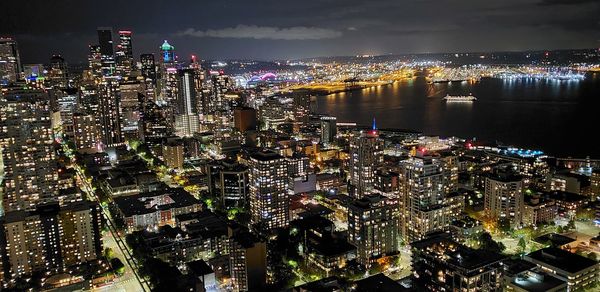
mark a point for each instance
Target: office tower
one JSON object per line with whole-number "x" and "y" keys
{"x": 424, "y": 206}
{"x": 504, "y": 198}
{"x": 86, "y": 136}
{"x": 130, "y": 108}
{"x": 52, "y": 238}
{"x": 187, "y": 121}
{"x": 373, "y": 227}
{"x": 58, "y": 74}
{"x": 269, "y": 201}
{"x": 95, "y": 60}
{"x": 26, "y": 140}
{"x": 148, "y": 67}
{"x": 244, "y": 119}
{"x": 247, "y": 260}
{"x": 89, "y": 100}
{"x": 228, "y": 180}
{"x": 10, "y": 62}
{"x": 234, "y": 185}
{"x": 168, "y": 53}
{"x": 200, "y": 76}
{"x": 106, "y": 51}
{"x": 124, "y": 54}
{"x": 154, "y": 124}
{"x": 328, "y": 129}
{"x": 168, "y": 81}
{"x": 366, "y": 155}
{"x": 109, "y": 116}
{"x": 441, "y": 264}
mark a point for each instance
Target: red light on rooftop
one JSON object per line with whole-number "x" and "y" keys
{"x": 124, "y": 32}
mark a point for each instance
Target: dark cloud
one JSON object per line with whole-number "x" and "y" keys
{"x": 276, "y": 29}
{"x": 567, "y": 2}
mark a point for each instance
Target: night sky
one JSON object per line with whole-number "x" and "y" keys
{"x": 280, "y": 29}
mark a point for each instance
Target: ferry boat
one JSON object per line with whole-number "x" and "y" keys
{"x": 460, "y": 98}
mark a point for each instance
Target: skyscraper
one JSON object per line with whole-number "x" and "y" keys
{"x": 95, "y": 60}
{"x": 106, "y": 50}
{"x": 131, "y": 99}
{"x": 424, "y": 207}
{"x": 124, "y": 54}
{"x": 504, "y": 198}
{"x": 26, "y": 140}
{"x": 168, "y": 53}
{"x": 58, "y": 74}
{"x": 269, "y": 200}
{"x": 148, "y": 67}
{"x": 366, "y": 155}
{"x": 109, "y": 120}
{"x": 186, "y": 113}
{"x": 10, "y": 62}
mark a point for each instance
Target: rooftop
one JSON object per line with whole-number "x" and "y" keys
{"x": 561, "y": 259}
{"x": 537, "y": 281}
{"x": 150, "y": 202}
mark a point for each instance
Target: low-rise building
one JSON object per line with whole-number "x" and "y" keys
{"x": 156, "y": 208}
{"x": 441, "y": 264}
{"x": 578, "y": 271}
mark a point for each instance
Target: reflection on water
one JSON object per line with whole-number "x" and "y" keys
{"x": 556, "y": 116}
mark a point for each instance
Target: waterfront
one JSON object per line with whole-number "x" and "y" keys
{"x": 554, "y": 116}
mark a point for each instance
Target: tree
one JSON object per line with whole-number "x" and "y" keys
{"x": 571, "y": 225}
{"x": 522, "y": 244}
{"x": 488, "y": 244}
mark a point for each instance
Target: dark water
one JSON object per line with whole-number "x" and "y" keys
{"x": 559, "y": 117}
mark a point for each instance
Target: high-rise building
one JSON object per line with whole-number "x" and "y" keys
{"x": 148, "y": 67}
{"x": 52, "y": 238}
{"x": 130, "y": 107}
{"x": 86, "y": 136}
{"x": 247, "y": 260}
{"x": 504, "y": 198}
{"x": 595, "y": 184}
{"x": 58, "y": 75}
{"x": 373, "y": 227}
{"x": 124, "y": 54}
{"x": 424, "y": 204}
{"x": 328, "y": 129}
{"x": 244, "y": 119}
{"x": 269, "y": 199}
{"x": 366, "y": 155}
{"x": 10, "y": 62}
{"x": 106, "y": 51}
{"x": 173, "y": 154}
{"x": 26, "y": 142}
{"x": 216, "y": 102}
{"x": 168, "y": 53}
{"x": 95, "y": 60}
{"x": 109, "y": 116}
{"x": 187, "y": 120}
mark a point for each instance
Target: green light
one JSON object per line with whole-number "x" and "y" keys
{"x": 166, "y": 46}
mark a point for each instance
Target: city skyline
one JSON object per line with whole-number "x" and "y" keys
{"x": 292, "y": 30}
{"x": 146, "y": 167}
